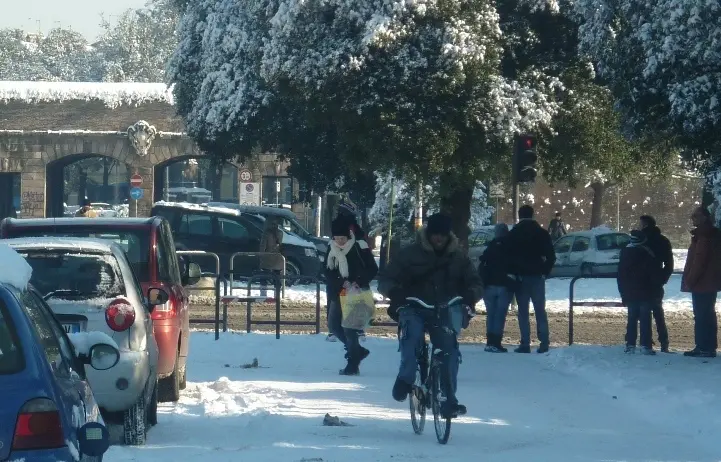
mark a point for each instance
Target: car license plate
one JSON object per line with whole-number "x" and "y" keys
{"x": 71, "y": 328}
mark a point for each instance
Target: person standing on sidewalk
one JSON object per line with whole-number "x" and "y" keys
{"x": 498, "y": 283}
{"x": 663, "y": 252}
{"x": 702, "y": 278}
{"x": 532, "y": 257}
{"x": 640, "y": 284}
{"x": 557, "y": 228}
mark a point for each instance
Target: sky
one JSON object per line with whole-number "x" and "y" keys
{"x": 79, "y": 15}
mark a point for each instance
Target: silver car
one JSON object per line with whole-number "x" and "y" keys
{"x": 90, "y": 286}
{"x": 588, "y": 252}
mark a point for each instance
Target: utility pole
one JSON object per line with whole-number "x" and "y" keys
{"x": 390, "y": 221}
{"x": 419, "y": 207}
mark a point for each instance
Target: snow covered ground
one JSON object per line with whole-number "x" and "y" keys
{"x": 573, "y": 404}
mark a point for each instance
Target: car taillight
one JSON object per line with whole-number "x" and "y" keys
{"x": 38, "y": 426}
{"x": 120, "y": 315}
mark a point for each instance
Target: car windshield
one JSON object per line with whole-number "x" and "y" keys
{"x": 615, "y": 241}
{"x": 135, "y": 243}
{"x": 70, "y": 274}
{"x": 11, "y": 356}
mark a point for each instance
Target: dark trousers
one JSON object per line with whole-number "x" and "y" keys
{"x": 639, "y": 313}
{"x": 705, "y": 322}
{"x": 532, "y": 289}
{"x": 659, "y": 317}
{"x": 349, "y": 337}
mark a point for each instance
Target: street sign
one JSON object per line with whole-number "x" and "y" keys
{"x": 136, "y": 180}
{"x": 246, "y": 176}
{"x": 136, "y": 193}
{"x": 249, "y": 194}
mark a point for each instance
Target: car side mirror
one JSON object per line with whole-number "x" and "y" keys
{"x": 93, "y": 439}
{"x": 193, "y": 275}
{"x": 101, "y": 357}
{"x": 157, "y": 297}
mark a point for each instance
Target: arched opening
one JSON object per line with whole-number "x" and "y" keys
{"x": 103, "y": 180}
{"x": 195, "y": 179}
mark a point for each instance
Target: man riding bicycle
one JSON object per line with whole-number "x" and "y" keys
{"x": 435, "y": 270}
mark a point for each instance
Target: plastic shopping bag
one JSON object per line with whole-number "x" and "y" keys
{"x": 358, "y": 308}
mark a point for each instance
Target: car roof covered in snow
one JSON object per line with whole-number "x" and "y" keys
{"x": 78, "y": 221}
{"x": 14, "y": 271}
{"x": 198, "y": 207}
{"x": 256, "y": 209}
{"x": 64, "y": 243}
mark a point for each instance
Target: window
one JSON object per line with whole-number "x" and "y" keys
{"x": 166, "y": 237}
{"x": 83, "y": 275}
{"x": 581, "y": 244}
{"x": 48, "y": 341}
{"x": 231, "y": 229}
{"x": 162, "y": 260}
{"x": 615, "y": 241}
{"x": 11, "y": 354}
{"x": 197, "y": 225}
{"x": 277, "y": 190}
{"x": 563, "y": 245}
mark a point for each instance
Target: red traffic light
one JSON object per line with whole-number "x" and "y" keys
{"x": 528, "y": 142}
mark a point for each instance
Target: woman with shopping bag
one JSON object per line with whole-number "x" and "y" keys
{"x": 349, "y": 270}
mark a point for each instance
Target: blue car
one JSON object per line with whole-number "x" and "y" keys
{"x": 47, "y": 409}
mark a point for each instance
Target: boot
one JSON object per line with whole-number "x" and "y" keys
{"x": 490, "y": 343}
{"x": 352, "y": 367}
{"x": 401, "y": 390}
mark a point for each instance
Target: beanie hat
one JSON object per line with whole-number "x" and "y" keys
{"x": 638, "y": 237}
{"x": 346, "y": 206}
{"x": 439, "y": 224}
{"x": 340, "y": 227}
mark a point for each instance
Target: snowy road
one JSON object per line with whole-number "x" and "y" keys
{"x": 577, "y": 404}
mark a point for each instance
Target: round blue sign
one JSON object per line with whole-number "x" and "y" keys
{"x": 136, "y": 193}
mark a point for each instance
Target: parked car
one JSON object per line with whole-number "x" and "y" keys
{"x": 104, "y": 210}
{"x": 595, "y": 251}
{"x": 90, "y": 286}
{"x": 47, "y": 404}
{"x": 225, "y": 231}
{"x": 149, "y": 245}
{"x": 290, "y": 222}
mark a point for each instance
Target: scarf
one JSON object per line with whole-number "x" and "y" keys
{"x": 337, "y": 256}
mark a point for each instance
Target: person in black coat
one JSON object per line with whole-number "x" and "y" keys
{"x": 349, "y": 264}
{"x": 663, "y": 251}
{"x": 532, "y": 257}
{"x": 640, "y": 284}
{"x": 498, "y": 283}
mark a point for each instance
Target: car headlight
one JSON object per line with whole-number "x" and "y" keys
{"x": 310, "y": 252}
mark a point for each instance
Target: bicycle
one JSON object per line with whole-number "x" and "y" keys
{"x": 427, "y": 392}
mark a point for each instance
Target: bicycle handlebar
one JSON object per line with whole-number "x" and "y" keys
{"x": 430, "y": 307}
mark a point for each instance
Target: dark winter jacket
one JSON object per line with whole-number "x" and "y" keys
{"x": 495, "y": 268}
{"x": 702, "y": 273}
{"x": 419, "y": 271}
{"x": 362, "y": 268}
{"x": 640, "y": 278}
{"x": 530, "y": 249}
{"x": 556, "y": 229}
{"x": 662, "y": 249}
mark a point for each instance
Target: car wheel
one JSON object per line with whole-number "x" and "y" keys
{"x": 170, "y": 386}
{"x": 153, "y": 408}
{"x": 291, "y": 269}
{"x": 134, "y": 419}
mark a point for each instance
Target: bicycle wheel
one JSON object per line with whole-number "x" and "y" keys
{"x": 418, "y": 398}
{"x": 442, "y": 424}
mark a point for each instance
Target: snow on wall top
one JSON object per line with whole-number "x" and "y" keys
{"x": 112, "y": 94}
{"x": 14, "y": 271}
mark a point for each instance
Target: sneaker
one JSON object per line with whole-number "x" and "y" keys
{"x": 693, "y": 353}
{"x": 523, "y": 349}
{"x": 542, "y": 349}
{"x": 664, "y": 348}
{"x": 350, "y": 369}
{"x": 362, "y": 337}
{"x": 401, "y": 390}
{"x": 630, "y": 349}
{"x": 452, "y": 411}
{"x": 331, "y": 338}
{"x": 647, "y": 351}
{"x": 493, "y": 349}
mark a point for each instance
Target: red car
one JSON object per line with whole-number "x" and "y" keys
{"x": 148, "y": 243}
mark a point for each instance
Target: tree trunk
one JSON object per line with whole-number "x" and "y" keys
{"x": 599, "y": 189}
{"x": 457, "y": 204}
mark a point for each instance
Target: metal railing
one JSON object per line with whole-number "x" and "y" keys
{"x": 216, "y": 288}
{"x": 231, "y": 266}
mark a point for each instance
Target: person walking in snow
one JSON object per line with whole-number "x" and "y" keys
{"x": 498, "y": 285}
{"x": 702, "y": 277}
{"x": 663, "y": 251}
{"x": 640, "y": 283}
{"x": 532, "y": 258}
{"x": 557, "y": 229}
{"x": 348, "y": 265}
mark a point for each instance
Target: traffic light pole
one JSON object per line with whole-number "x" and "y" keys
{"x": 514, "y": 186}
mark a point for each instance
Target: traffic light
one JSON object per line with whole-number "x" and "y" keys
{"x": 525, "y": 158}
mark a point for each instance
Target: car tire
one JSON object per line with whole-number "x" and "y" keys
{"x": 153, "y": 408}
{"x": 292, "y": 269}
{"x": 135, "y": 429}
{"x": 169, "y": 387}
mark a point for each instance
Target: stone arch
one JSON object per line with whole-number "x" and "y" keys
{"x": 164, "y": 178}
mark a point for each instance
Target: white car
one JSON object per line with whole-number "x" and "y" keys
{"x": 90, "y": 286}
{"x": 596, "y": 251}
{"x": 104, "y": 210}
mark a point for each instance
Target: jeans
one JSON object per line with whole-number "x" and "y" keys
{"x": 658, "y": 316}
{"x": 411, "y": 332}
{"x": 497, "y": 300}
{"x": 349, "y": 337}
{"x": 639, "y": 313}
{"x": 705, "y": 322}
{"x": 532, "y": 289}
